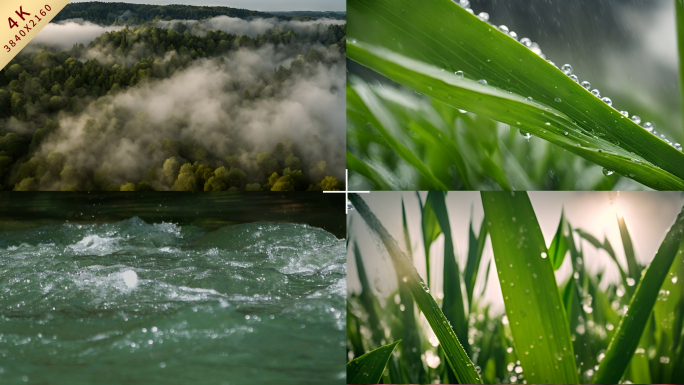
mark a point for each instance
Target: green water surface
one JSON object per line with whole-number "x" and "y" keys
{"x": 120, "y": 293}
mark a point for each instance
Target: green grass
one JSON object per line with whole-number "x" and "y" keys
{"x": 428, "y": 142}
{"x": 582, "y": 330}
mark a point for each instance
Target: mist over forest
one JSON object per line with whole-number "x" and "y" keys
{"x": 117, "y": 97}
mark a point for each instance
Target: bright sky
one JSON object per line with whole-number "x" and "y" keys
{"x": 256, "y": 5}
{"x": 648, "y": 215}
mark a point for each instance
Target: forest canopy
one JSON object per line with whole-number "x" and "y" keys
{"x": 87, "y": 118}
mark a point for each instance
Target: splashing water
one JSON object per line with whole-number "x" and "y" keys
{"x": 171, "y": 304}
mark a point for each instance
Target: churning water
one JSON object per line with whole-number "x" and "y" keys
{"x": 132, "y": 302}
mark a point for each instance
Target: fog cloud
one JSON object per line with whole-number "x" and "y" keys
{"x": 204, "y": 104}
{"x": 65, "y": 34}
{"x": 250, "y": 28}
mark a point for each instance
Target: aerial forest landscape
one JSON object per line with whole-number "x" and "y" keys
{"x": 136, "y": 97}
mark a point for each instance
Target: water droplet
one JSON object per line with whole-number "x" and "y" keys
{"x": 607, "y": 101}
{"x": 529, "y": 98}
{"x": 674, "y": 280}
{"x": 484, "y": 16}
{"x": 518, "y": 369}
{"x": 509, "y": 350}
{"x": 663, "y": 294}
{"x": 596, "y": 93}
{"x": 630, "y": 281}
{"x": 574, "y": 78}
{"x": 586, "y": 84}
{"x": 648, "y": 126}
{"x": 526, "y": 42}
{"x": 525, "y": 135}
{"x": 512, "y": 284}
{"x": 513, "y": 35}
{"x": 354, "y": 41}
{"x": 664, "y": 360}
{"x": 567, "y": 69}
{"x": 636, "y": 119}
{"x": 534, "y": 47}
{"x": 503, "y": 29}
{"x": 547, "y": 124}
{"x": 544, "y": 255}
{"x": 482, "y": 81}
{"x": 565, "y": 133}
{"x": 459, "y": 74}
{"x": 678, "y": 146}
{"x": 625, "y": 113}
{"x": 558, "y": 100}
{"x": 452, "y": 170}
{"x": 608, "y": 172}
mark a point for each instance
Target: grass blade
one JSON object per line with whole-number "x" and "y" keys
{"x": 679, "y": 10}
{"x": 624, "y": 342}
{"x": 367, "y": 298}
{"x": 475, "y": 248}
{"x": 422, "y": 44}
{"x": 632, "y": 266}
{"x": 431, "y": 231}
{"x": 609, "y": 249}
{"x": 386, "y": 124}
{"x": 368, "y": 368}
{"x": 559, "y": 247}
{"x": 368, "y": 172}
{"x": 407, "y": 238}
{"x": 452, "y": 306}
{"x": 455, "y": 354}
{"x": 533, "y": 303}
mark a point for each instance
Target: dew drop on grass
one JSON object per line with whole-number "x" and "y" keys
{"x": 544, "y": 255}
{"x": 482, "y": 81}
{"x": 484, "y": 16}
{"x": 459, "y": 74}
{"x": 625, "y": 113}
{"x": 547, "y": 124}
{"x": 534, "y": 47}
{"x": 596, "y": 93}
{"x": 503, "y": 29}
{"x": 558, "y": 100}
{"x": 608, "y": 172}
{"x": 529, "y": 98}
{"x": 636, "y": 119}
{"x": 565, "y": 133}
{"x": 513, "y": 35}
{"x": 567, "y": 69}
{"x": 648, "y": 126}
{"x": 525, "y": 135}
{"x": 630, "y": 281}
{"x": 664, "y": 360}
{"x": 586, "y": 84}
{"x": 518, "y": 369}
{"x": 663, "y": 294}
{"x": 526, "y": 42}
{"x": 607, "y": 101}
{"x": 574, "y": 78}
{"x": 509, "y": 350}
{"x": 674, "y": 279}
{"x": 678, "y": 146}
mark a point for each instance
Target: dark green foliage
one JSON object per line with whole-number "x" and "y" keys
{"x": 122, "y": 13}
{"x": 38, "y": 88}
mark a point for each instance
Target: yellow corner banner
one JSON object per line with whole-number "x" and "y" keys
{"x": 20, "y": 22}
